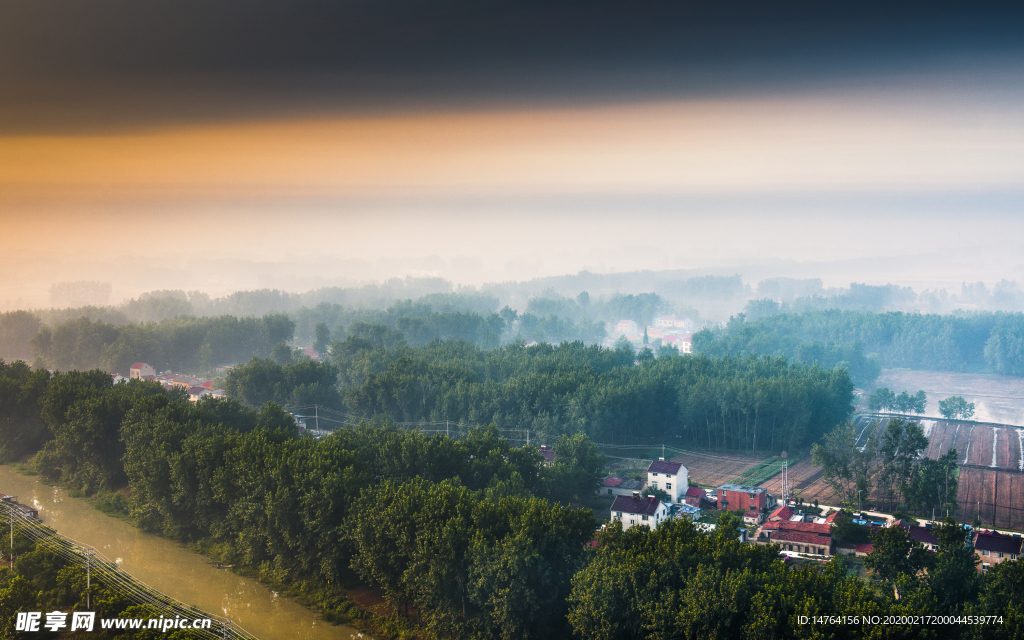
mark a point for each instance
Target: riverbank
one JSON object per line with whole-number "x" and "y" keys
{"x": 173, "y": 569}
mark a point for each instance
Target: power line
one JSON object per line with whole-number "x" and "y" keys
{"x": 115, "y": 578}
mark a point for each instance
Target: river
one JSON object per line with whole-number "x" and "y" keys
{"x": 171, "y": 568}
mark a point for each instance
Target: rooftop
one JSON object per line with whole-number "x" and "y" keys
{"x": 782, "y": 512}
{"x": 798, "y": 536}
{"x": 790, "y": 525}
{"x": 694, "y": 492}
{"x": 741, "y": 487}
{"x": 995, "y": 541}
{"x": 664, "y": 466}
{"x": 644, "y": 505}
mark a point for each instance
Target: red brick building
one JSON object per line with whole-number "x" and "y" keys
{"x": 752, "y": 500}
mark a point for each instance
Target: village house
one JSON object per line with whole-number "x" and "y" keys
{"x": 810, "y": 538}
{"x": 626, "y": 326}
{"x": 694, "y": 496}
{"x": 548, "y": 453}
{"x": 993, "y": 547}
{"x": 670, "y": 477}
{"x": 194, "y": 393}
{"x": 752, "y": 500}
{"x": 141, "y": 370}
{"x": 684, "y": 343}
{"x": 672, "y": 322}
{"x": 616, "y": 486}
{"x": 637, "y": 510}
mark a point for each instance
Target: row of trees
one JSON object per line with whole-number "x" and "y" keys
{"x": 976, "y": 342}
{"x": 179, "y": 344}
{"x": 883, "y": 399}
{"x": 727, "y": 403}
{"x": 884, "y": 466}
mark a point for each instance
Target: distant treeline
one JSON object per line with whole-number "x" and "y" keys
{"x": 189, "y": 344}
{"x": 728, "y": 403}
{"x": 960, "y": 343}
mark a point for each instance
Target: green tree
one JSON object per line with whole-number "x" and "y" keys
{"x": 953, "y": 572}
{"x": 956, "y": 408}
{"x": 895, "y": 554}
{"x": 323, "y": 339}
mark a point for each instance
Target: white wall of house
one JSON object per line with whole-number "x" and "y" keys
{"x": 637, "y": 520}
{"x": 674, "y": 485}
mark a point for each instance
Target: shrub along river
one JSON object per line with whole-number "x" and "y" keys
{"x": 171, "y": 568}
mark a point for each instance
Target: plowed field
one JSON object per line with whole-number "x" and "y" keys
{"x": 805, "y": 481}
{"x": 712, "y": 469}
{"x": 997, "y": 495}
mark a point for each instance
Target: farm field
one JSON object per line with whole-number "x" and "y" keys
{"x": 982, "y": 444}
{"x": 712, "y": 469}
{"x": 999, "y": 494}
{"x": 805, "y": 481}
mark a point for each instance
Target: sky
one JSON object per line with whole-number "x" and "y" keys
{"x": 243, "y": 144}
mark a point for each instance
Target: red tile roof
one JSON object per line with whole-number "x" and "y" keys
{"x": 787, "y": 525}
{"x": 612, "y": 481}
{"x": 830, "y": 517}
{"x": 644, "y": 505}
{"x": 664, "y": 466}
{"x": 782, "y": 512}
{"x": 864, "y": 547}
{"x": 796, "y": 536}
{"x": 139, "y": 365}
{"x": 695, "y": 492}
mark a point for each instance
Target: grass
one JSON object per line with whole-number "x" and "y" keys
{"x": 760, "y": 472}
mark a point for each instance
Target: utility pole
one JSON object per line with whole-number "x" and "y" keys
{"x": 785, "y": 482}
{"x": 527, "y": 437}
{"x": 88, "y": 577}
{"x": 11, "y": 514}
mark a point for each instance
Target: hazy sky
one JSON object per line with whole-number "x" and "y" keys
{"x": 295, "y": 144}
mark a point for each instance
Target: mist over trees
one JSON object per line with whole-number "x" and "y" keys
{"x": 959, "y": 343}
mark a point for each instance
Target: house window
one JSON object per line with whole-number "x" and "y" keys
{"x": 645, "y": 517}
{"x": 985, "y": 552}
{"x": 821, "y": 552}
{"x": 1013, "y": 556}
{"x": 609, "y": 492}
{"x": 668, "y": 485}
{"x": 789, "y": 547}
{"x": 1000, "y": 554}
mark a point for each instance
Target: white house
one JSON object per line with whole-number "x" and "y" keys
{"x": 141, "y": 370}
{"x": 670, "y": 477}
{"x": 637, "y": 510}
{"x": 672, "y": 322}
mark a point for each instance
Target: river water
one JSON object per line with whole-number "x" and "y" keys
{"x": 171, "y": 568}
